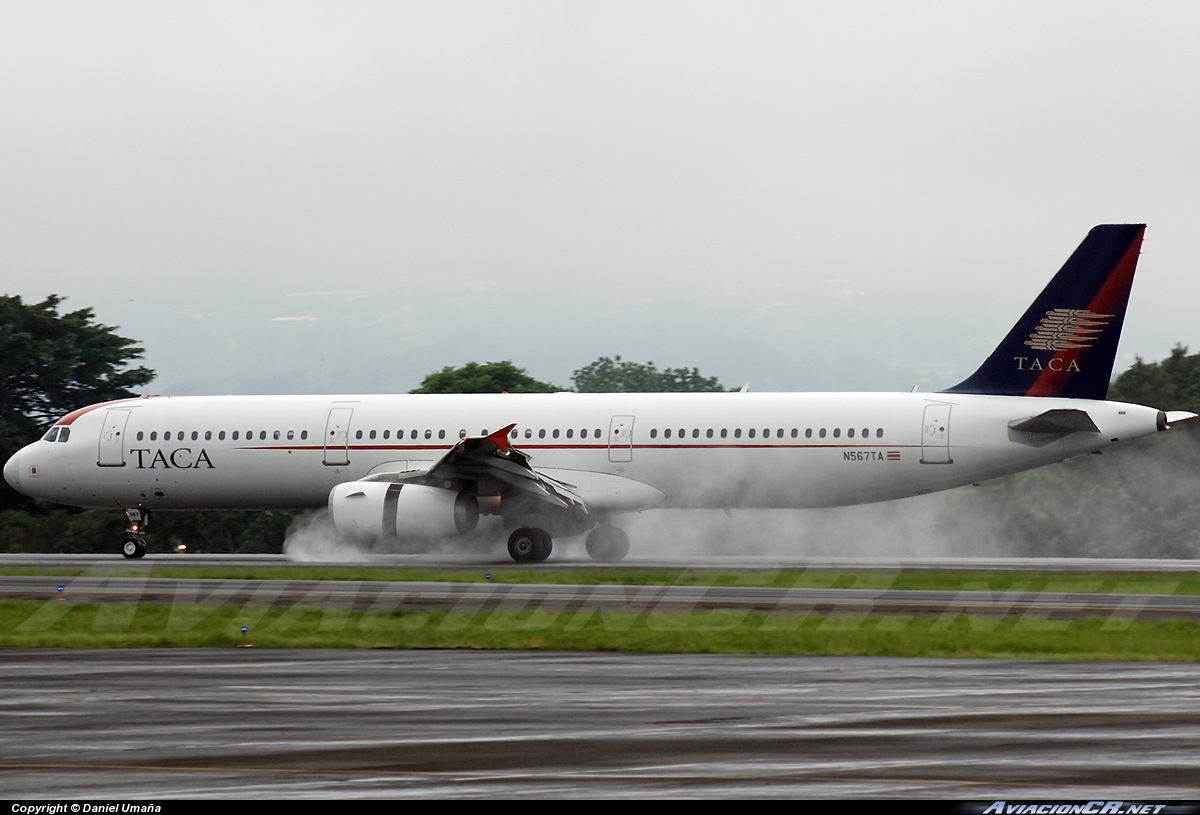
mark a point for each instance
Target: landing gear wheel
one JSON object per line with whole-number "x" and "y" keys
{"x": 133, "y": 547}
{"x": 529, "y": 545}
{"x": 545, "y": 544}
{"x": 607, "y": 544}
{"x": 135, "y": 544}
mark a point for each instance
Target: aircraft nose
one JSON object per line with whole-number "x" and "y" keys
{"x": 12, "y": 471}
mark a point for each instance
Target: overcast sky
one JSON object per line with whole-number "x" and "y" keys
{"x": 329, "y": 197}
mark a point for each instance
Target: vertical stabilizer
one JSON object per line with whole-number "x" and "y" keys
{"x": 1066, "y": 343}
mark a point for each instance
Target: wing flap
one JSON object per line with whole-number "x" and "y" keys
{"x": 492, "y": 461}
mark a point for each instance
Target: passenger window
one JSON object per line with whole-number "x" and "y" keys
{"x": 195, "y": 435}
{"x": 358, "y": 434}
{"x": 724, "y": 432}
{"x": 779, "y": 433}
{"x": 570, "y": 432}
{"x": 737, "y": 433}
{"x": 596, "y": 433}
{"x": 372, "y": 434}
{"x": 710, "y": 433}
{"x": 866, "y": 432}
{"x": 429, "y": 434}
{"x": 235, "y": 435}
{"x": 528, "y": 433}
{"x": 555, "y": 433}
{"x": 441, "y": 434}
{"x": 752, "y": 432}
{"x": 275, "y": 435}
{"x": 462, "y": 433}
{"x": 542, "y": 433}
{"x": 682, "y": 432}
{"x": 822, "y": 433}
{"x": 513, "y": 434}
{"x": 850, "y": 433}
{"x": 262, "y": 435}
{"x": 208, "y": 435}
{"x": 303, "y": 434}
{"x": 837, "y": 432}
{"x": 879, "y": 433}
{"x": 808, "y": 432}
{"x": 412, "y": 435}
{"x": 153, "y": 435}
{"x": 167, "y": 436}
{"x": 221, "y": 436}
{"x": 695, "y": 432}
{"x": 654, "y": 433}
{"x": 139, "y": 435}
{"x": 795, "y": 432}
{"x": 667, "y": 433}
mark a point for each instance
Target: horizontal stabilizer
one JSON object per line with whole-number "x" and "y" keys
{"x": 1061, "y": 421}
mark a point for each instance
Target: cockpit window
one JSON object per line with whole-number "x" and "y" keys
{"x": 64, "y": 433}
{"x": 51, "y": 434}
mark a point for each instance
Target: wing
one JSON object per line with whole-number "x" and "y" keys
{"x": 489, "y": 465}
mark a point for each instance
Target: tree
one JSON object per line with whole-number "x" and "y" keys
{"x": 614, "y": 375}
{"x": 52, "y": 363}
{"x": 490, "y": 377}
{"x": 1173, "y": 384}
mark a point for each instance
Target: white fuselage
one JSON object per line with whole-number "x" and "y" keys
{"x": 620, "y": 451}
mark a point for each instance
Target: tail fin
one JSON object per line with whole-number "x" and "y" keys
{"x": 1066, "y": 343}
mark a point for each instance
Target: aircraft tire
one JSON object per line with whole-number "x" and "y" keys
{"x": 607, "y": 544}
{"x": 523, "y": 545}
{"x": 545, "y": 544}
{"x": 132, "y": 547}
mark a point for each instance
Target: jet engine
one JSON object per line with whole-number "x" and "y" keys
{"x": 372, "y": 510}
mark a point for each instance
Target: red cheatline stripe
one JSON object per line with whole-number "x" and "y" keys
{"x": 600, "y": 447}
{"x": 75, "y": 414}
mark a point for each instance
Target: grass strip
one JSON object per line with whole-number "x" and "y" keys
{"x": 64, "y": 624}
{"x": 899, "y": 579}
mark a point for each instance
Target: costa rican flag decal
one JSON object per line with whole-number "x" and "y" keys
{"x": 893, "y": 455}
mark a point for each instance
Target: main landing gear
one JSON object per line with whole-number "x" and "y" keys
{"x": 532, "y": 545}
{"x": 607, "y": 544}
{"x": 529, "y": 545}
{"x": 135, "y": 534}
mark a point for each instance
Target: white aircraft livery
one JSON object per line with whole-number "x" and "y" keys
{"x": 427, "y": 466}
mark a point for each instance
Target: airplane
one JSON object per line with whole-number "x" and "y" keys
{"x": 428, "y": 466}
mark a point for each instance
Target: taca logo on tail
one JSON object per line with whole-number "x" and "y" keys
{"x": 1066, "y": 343}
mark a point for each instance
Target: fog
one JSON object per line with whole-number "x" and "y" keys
{"x": 1134, "y": 501}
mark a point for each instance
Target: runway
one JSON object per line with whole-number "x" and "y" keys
{"x": 335, "y": 724}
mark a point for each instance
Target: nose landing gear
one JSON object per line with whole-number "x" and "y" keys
{"x": 135, "y": 534}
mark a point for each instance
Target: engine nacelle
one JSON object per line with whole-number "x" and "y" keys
{"x": 371, "y": 510}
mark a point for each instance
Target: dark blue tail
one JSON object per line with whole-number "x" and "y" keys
{"x": 1066, "y": 343}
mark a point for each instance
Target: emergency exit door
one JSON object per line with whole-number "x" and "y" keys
{"x": 337, "y": 437}
{"x": 935, "y": 435}
{"x": 620, "y": 439}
